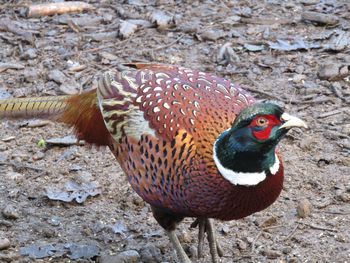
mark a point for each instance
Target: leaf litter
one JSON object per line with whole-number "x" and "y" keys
{"x": 71, "y": 250}
{"x": 74, "y": 191}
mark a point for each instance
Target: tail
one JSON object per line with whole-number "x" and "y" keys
{"x": 79, "y": 111}
{"x": 40, "y": 107}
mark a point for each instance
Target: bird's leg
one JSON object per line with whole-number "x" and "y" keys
{"x": 181, "y": 254}
{"x": 200, "y": 222}
{"x": 205, "y": 225}
{"x": 201, "y": 233}
{"x": 169, "y": 222}
{"x": 215, "y": 249}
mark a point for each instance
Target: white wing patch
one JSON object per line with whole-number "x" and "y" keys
{"x": 241, "y": 178}
{"x": 137, "y": 125}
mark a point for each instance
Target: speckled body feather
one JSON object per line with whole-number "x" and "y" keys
{"x": 165, "y": 120}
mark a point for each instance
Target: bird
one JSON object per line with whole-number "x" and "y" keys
{"x": 191, "y": 144}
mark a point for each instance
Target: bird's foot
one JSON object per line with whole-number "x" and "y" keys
{"x": 205, "y": 225}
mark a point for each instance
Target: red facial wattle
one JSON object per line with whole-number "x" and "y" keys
{"x": 263, "y": 132}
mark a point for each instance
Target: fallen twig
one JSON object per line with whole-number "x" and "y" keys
{"x": 336, "y": 134}
{"x": 264, "y": 93}
{"x": 291, "y": 233}
{"x": 314, "y": 101}
{"x": 6, "y": 66}
{"x": 271, "y": 227}
{"x": 317, "y": 227}
{"x": 330, "y": 113}
{"x": 48, "y": 9}
{"x": 266, "y": 21}
{"x": 320, "y": 18}
{"x": 254, "y": 241}
{"x": 118, "y": 44}
{"x": 337, "y": 212}
{"x": 168, "y": 45}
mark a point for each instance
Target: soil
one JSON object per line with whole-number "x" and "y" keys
{"x": 277, "y": 50}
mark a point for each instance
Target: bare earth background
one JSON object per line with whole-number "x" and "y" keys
{"x": 275, "y": 49}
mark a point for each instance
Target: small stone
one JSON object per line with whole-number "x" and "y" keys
{"x": 304, "y": 208}
{"x": 69, "y": 87}
{"x": 287, "y": 250}
{"x": 3, "y": 157}
{"x": 31, "y": 75}
{"x": 61, "y": 50}
{"x": 127, "y": 29}
{"x": 161, "y": 19}
{"x": 128, "y": 256}
{"x": 226, "y": 55}
{"x": 3, "y": 147}
{"x": 4, "y": 94}
{"x": 309, "y": 2}
{"x": 10, "y": 212}
{"x": 38, "y": 156}
{"x": 299, "y": 69}
{"x": 346, "y": 128}
{"x": 20, "y": 92}
{"x": 150, "y": 254}
{"x": 63, "y": 141}
{"x": 307, "y": 143}
{"x": 299, "y": 78}
{"x": 328, "y": 71}
{"x": 6, "y": 223}
{"x": 268, "y": 222}
{"x": 241, "y": 244}
{"x": 246, "y": 12}
{"x": 57, "y": 76}
{"x": 212, "y": 35}
{"x": 14, "y": 193}
{"x": 345, "y": 197}
{"x": 37, "y": 123}
{"x": 138, "y": 201}
{"x": 19, "y": 156}
{"x": 185, "y": 237}
{"x": 8, "y": 139}
{"x": 55, "y": 221}
{"x": 29, "y": 54}
{"x": 225, "y": 229}
{"x": 341, "y": 238}
{"x": 48, "y": 232}
{"x": 75, "y": 168}
{"x": 14, "y": 176}
{"x": 272, "y": 254}
{"x": 4, "y": 243}
{"x": 10, "y": 257}
{"x": 192, "y": 251}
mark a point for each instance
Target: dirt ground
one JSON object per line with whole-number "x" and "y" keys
{"x": 287, "y": 52}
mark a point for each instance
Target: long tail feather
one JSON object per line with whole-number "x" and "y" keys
{"x": 79, "y": 111}
{"x": 40, "y": 107}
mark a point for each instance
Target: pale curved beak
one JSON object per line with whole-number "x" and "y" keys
{"x": 291, "y": 122}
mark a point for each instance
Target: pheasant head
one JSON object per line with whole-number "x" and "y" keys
{"x": 245, "y": 153}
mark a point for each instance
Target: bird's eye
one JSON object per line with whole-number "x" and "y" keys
{"x": 261, "y": 122}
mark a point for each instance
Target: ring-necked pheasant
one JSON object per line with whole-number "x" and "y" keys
{"x": 191, "y": 144}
